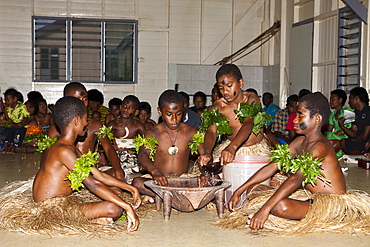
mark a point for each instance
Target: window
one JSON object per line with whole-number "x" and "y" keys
{"x": 349, "y": 50}
{"x": 86, "y": 50}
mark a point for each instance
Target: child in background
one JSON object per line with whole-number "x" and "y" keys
{"x": 96, "y": 115}
{"x": 114, "y": 107}
{"x": 44, "y": 120}
{"x": 18, "y": 114}
{"x": 124, "y": 130}
{"x": 145, "y": 112}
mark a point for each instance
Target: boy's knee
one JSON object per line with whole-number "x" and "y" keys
{"x": 280, "y": 209}
{"x": 138, "y": 182}
{"x": 113, "y": 211}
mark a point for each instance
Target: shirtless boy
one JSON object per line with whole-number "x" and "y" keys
{"x": 124, "y": 130}
{"x": 89, "y": 140}
{"x": 173, "y": 136}
{"x": 71, "y": 118}
{"x": 230, "y": 84}
{"x": 313, "y": 112}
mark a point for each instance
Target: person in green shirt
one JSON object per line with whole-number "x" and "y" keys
{"x": 334, "y": 132}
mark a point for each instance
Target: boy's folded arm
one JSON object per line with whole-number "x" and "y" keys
{"x": 100, "y": 189}
{"x": 113, "y": 158}
{"x": 112, "y": 181}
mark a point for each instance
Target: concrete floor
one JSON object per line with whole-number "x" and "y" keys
{"x": 184, "y": 229}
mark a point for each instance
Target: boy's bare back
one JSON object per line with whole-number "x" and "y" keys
{"x": 50, "y": 179}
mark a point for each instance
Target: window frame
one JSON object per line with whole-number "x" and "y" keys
{"x": 68, "y": 46}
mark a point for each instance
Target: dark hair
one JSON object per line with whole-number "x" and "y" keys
{"x": 34, "y": 95}
{"x": 170, "y": 96}
{"x": 185, "y": 96}
{"x": 303, "y": 92}
{"x": 361, "y": 93}
{"x": 66, "y": 109}
{"x": 73, "y": 86}
{"x": 145, "y": 106}
{"x": 34, "y": 105}
{"x": 229, "y": 69}
{"x": 14, "y": 93}
{"x": 39, "y": 100}
{"x": 252, "y": 90}
{"x": 95, "y": 95}
{"x": 269, "y": 94}
{"x": 200, "y": 94}
{"x": 292, "y": 97}
{"x": 317, "y": 103}
{"x": 134, "y": 99}
{"x": 340, "y": 94}
{"x": 114, "y": 101}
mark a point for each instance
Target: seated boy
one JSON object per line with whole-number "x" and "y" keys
{"x": 71, "y": 118}
{"x": 242, "y": 141}
{"x": 145, "y": 112}
{"x": 173, "y": 136}
{"x": 124, "y": 130}
{"x": 18, "y": 114}
{"x": 313, "y": 112}
{"x": 115, "y": 111}
{"x": 89, "y": 140}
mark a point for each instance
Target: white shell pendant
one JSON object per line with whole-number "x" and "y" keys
{"x": 173, "y": 150}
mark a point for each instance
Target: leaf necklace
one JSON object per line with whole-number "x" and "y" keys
{"x": 173, "y": 150}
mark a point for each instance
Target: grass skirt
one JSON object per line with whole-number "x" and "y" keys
{"x": 348, "y": 213}
{"x": 263, "y": 148}
{"x": 54, "y": 216}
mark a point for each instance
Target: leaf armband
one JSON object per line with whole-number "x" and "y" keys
{"x": 150, "y": 143}
{"x": 214, "y": 117}
{"x": 255, "y": 111}
{"x": 195, "y": 141}
{"x": 44, "y": 143}
{"x": 309, "y": 166}
{"x": 83, "y": 167}
{"x": 105, "y": 132}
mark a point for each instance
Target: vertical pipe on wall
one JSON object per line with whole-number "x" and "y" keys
{"x": 286, "y": 26}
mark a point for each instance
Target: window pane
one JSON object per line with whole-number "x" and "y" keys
{"x": 86, "y": 43}
{"x": 50, "y": 49}
{"x": 119, "y": 51}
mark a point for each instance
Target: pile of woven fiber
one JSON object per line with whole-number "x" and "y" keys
{"x": 348, "y": 213}
{"x": 55, "y": 216}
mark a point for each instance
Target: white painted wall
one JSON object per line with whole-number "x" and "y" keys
{"x": 193, "y": 32}
{"x": 175, "y": 33}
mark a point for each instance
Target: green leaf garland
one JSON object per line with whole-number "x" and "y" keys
{"x": 195, "y": 141}
{"x": 309, "y": 166}
{"x": 83, "y": 167}
{"x": 44, "y": 143}
{"x": 214, "y": 117}
{"x": 150, "y": 143}
{"x": 105, "y": 132}
{"x": 255, "y": 111}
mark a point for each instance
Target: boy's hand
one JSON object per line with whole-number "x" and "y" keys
{"x": 132, "y": 220}
{"x": 227, "y": 156}
{"x": 159, "y": 178}
{"x": 258, "y": 220}
{"x": 233, "y": 201}
{"x": 136, "y": 197}
{"x": 341, "y": 121}
{"x": 204, "y": 159}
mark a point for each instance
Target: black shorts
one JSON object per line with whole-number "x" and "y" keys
{"x": 352, "y": 145}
